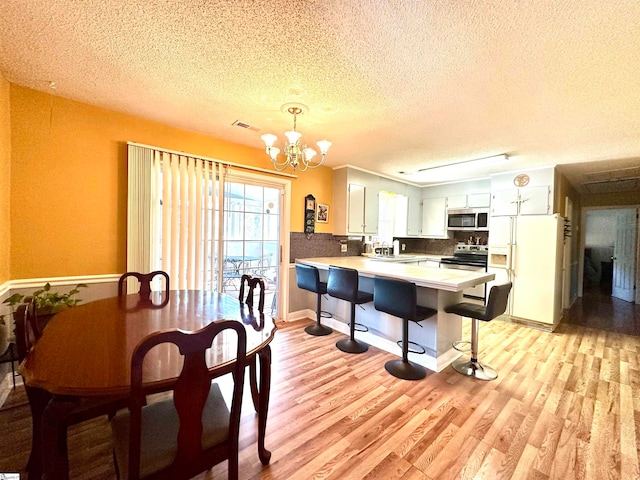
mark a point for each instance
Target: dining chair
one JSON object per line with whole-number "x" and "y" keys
{"x": 193, "y": 430}
{"x": 145, "y": 280}
{"x": 85, "y": 408}
{"x": 251, "y": 284}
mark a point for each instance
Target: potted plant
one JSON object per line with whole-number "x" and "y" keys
{"x": 4, "y": 335}
{"x": 47, "y": 304}
{"x": 5, "y": 322}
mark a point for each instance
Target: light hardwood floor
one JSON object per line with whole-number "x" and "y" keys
{"x": 566, "y": 405}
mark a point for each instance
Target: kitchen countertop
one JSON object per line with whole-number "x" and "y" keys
{"x": 404, "y": 257}
{"x": 423, "y": 276}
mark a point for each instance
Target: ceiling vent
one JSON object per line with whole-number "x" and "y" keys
{"x": 238, "y": 123}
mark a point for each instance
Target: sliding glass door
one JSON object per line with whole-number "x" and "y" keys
{"x": 251, "y": 236}
{"x": 206, "y": 223}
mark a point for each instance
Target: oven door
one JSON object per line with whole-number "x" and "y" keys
{"x": 479, "y": 291}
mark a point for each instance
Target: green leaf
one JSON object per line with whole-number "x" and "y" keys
{"x": 13, "y": 299}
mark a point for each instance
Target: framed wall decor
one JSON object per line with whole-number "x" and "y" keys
{"x": 322, "y": 213}
{"x": 309, "y": 214}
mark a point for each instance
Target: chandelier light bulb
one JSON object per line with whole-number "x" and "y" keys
{"x": 293, "y": 137}
{"x": 309, "y": 153}
{"x": 324, "y": 146}
{"x": 273, "y": 152}
{"x": 269, "y": 139}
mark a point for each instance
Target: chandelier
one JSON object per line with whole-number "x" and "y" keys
{"x": 296, "y": 154}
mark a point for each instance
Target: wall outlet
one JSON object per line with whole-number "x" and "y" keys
{"x": 343, "y": 247}
{"x": 404, "y": 247}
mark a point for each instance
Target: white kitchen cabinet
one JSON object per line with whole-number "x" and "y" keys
{"x": 355, "y": 202}
{"x": 535, "y": 200}
{"x": 522, "y": 201}
{"x": 479, "y": 200}
{"x": 457, "y": 201}
{"x": 414, "y": 211}
{"x": 504, "y": 203}
{"x": 472, "y": 200}
{"x": 434, "y": 218}
{"x": 355, "y": 207}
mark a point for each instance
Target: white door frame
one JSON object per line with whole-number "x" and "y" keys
{"x": 285, "y": 228}
{"x": 583, "y": 226}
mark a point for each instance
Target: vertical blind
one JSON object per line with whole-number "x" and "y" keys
{"x": 172, "y": 224}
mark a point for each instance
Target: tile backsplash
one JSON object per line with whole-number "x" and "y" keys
{"x": 435, "y": 246}
{"x": 321, "y": 245}
{"x": 328, "y": 245}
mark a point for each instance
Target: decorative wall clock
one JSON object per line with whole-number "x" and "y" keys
{"x": 521, "y": 180}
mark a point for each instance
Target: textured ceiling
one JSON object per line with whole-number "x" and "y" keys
{"x": 395, "y": 85}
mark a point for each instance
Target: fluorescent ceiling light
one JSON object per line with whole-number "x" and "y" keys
{"x": 461, "y": 169}
{"x": 476, "y": 161}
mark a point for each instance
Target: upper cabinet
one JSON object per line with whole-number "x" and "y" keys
{"x": 522, "y": 201}
{"x": 479, "y": 200}
{"x": 523, "y": 193}
{"x": 434, "y": 218}
{"x": 355, "y": 200}
{"x": 414, "y": 211}
{"x": 472, "y": 200}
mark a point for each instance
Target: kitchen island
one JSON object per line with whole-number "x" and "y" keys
{"x": 437, "y": 288}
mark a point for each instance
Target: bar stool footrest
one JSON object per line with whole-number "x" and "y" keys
{"x": 419, "y": 349}
{"x": 462, "y": 345}
{"x": 359, "y": 327}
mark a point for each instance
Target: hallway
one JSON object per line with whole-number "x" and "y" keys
{"x": 598, "y": 309}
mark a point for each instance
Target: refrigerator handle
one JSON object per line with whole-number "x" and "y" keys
{"x": 512, "y": 260}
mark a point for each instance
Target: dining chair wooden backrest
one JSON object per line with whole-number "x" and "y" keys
{"x": 26, "y": 328}
{"x": 182, "y": 436}
{"x": 145, "y": 280}
{"x": 252, "y": 283}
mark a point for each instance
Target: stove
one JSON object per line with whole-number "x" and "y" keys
{"x": 471, "y": 255}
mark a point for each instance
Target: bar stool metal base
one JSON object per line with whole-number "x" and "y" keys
{"x": 473, "y": 368}
{"x": 405, "y": 370}
{"x": 352, "y": 346}
{"x": 318, "y": 330}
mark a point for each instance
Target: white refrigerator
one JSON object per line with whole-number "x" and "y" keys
{"x": 527, "y": 250}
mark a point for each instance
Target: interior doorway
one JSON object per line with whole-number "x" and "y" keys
{"x": 608, "y": 299}
{"x": 609, "y": 252}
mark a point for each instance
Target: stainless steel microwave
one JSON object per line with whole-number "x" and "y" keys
{"x": 468, "y": 219}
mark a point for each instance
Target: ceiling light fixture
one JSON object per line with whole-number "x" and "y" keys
{"x": 296, "y": 154}
{"x": 484, "y": 160}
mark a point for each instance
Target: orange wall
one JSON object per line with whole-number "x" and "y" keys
{"x": 5, "y": 176}
{"x": 69, "y": 189}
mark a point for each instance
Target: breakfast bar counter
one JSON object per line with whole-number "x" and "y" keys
{"x": 437, "y": 288}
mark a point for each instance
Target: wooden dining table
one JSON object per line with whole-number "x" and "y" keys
{"x": 85, "y": 352}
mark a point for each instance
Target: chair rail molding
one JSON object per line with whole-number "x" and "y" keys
{"x": 55, "y": 281}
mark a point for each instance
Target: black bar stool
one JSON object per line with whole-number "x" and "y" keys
{"x": 398, "y": 298}
{"x": 496, "y": 305}
{"x": 343, "y": 284}
{"x": 308, "y": 278}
